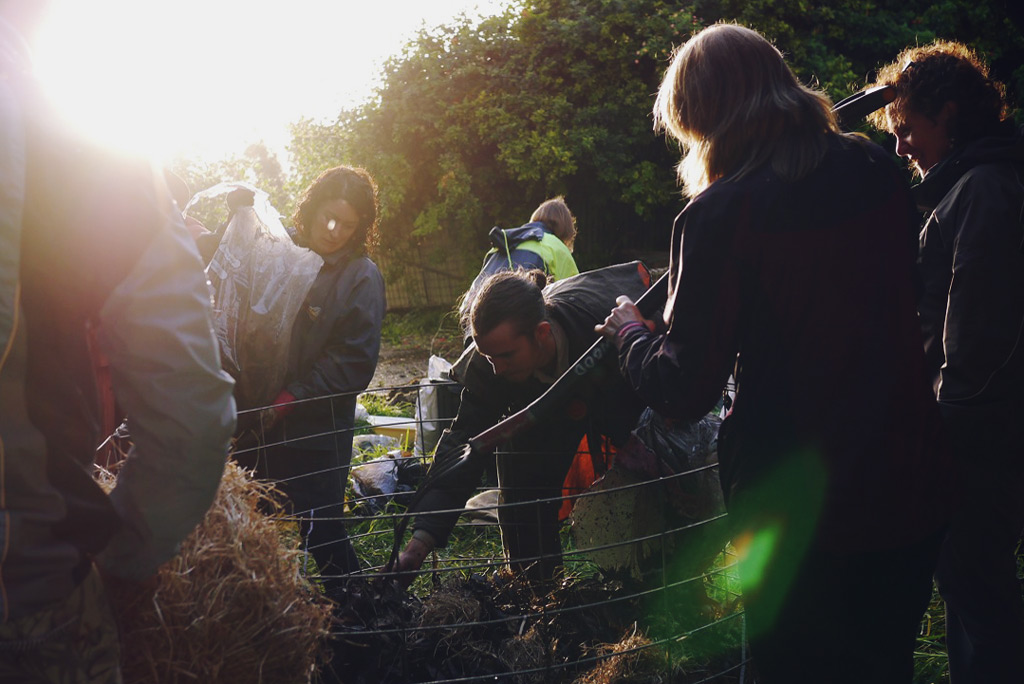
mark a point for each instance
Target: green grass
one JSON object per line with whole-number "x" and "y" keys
{"x": 930, "y": 663}
{"x": 378, "y": 404}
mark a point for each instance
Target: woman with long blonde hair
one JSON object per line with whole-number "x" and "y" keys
{"x": 792, "y": 268}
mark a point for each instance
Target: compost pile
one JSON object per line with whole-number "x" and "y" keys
{"x": 233, "y": 606}
{"x": 474, "y": 627}
{"x": 499, "y": 629}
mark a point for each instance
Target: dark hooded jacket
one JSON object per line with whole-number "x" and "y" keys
{"x": 972, "y": 263}
{"x": 334, "y": 351}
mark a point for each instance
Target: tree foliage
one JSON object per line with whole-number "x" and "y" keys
{"x": 475, "y": 123}
{"x": 256, "y": 165}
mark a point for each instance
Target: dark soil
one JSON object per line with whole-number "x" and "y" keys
{"x": 400, "y": 366}
{"x": 404, "y": 354}
{"x": 503, "y": 629}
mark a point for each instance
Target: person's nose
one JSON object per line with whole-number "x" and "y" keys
{"x": 903, "y": 146}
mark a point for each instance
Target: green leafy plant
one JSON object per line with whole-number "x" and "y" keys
{"x": 378, "y": 404}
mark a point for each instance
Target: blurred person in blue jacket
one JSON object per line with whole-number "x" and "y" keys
{"x": 94, "y": 259}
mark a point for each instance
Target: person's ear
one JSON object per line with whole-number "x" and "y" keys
{"x": 946, "y": 115}
{"x": 542, "y": 332}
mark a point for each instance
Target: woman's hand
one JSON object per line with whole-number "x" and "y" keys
{"x": 271, "y": 416}
{"x": 624, "y": 315}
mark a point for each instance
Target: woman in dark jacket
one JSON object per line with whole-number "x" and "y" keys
{"x": 334, "y": 347}
{"x": 792, "y": 267}
{"x": 951, "y": 120}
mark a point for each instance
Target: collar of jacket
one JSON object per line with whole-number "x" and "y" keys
{"x": 1005, "y": 145}
{"x": 507, "y": 240}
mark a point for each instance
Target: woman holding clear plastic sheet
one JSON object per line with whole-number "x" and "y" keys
{"x": 333, "y": 354}
{"x": 793, "y": 264}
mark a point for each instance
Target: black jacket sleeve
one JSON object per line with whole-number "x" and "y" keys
{"x": 681, "y": 373}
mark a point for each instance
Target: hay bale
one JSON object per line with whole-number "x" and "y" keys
{"x": 665, "y": 479}
{"x": 629, "y": 507}
{"x": 453, "y": 611}
{"x": 450, "y": 606}
{"x": 233, "y": 605}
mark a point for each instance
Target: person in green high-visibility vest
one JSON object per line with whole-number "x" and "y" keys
{"x": 545, "y": 244}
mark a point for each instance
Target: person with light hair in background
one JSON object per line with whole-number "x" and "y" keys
{"x": 792, "y": 267}
{"x": 556, "y": 217}
{"x": 544, "y": 244}
{"x": 950, "y": 120}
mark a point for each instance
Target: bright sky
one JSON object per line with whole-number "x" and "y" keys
{"x": 207, "y": 77}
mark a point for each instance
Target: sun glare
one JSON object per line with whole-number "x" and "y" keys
{"x": 203, "y": 78}
{"x": 125, "y": 74}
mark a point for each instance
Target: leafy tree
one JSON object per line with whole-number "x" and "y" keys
{"x": 256, "y": 165}
{"x": 476, "y": 123}
{"x": 840, "y": 45}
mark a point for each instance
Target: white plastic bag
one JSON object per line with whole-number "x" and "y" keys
{"x": 428, "y": 419}
{"x": 260, "y": 279}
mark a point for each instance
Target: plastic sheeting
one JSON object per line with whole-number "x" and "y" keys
{"x": 260, "y": 279}
{"x": 437, "y": 402}
{"x": 684, "y": 453}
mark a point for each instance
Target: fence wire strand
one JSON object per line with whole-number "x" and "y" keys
{"x": 371, "y": 516}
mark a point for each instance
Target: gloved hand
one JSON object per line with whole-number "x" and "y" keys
{"x": 273, "y": 414}
{"x": 240, "y": 197}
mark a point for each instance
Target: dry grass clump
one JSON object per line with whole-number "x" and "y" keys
{"x": 233, "y": 606}
{"x": 524, "y": 654}
{"x": 453, "y": 608}
{"x": 504, "y": 628}
{"x": 631, "y": 660}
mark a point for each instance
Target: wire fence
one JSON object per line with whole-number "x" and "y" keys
{"x": 646, "y": 582}
{"x": 411, "y": 284}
